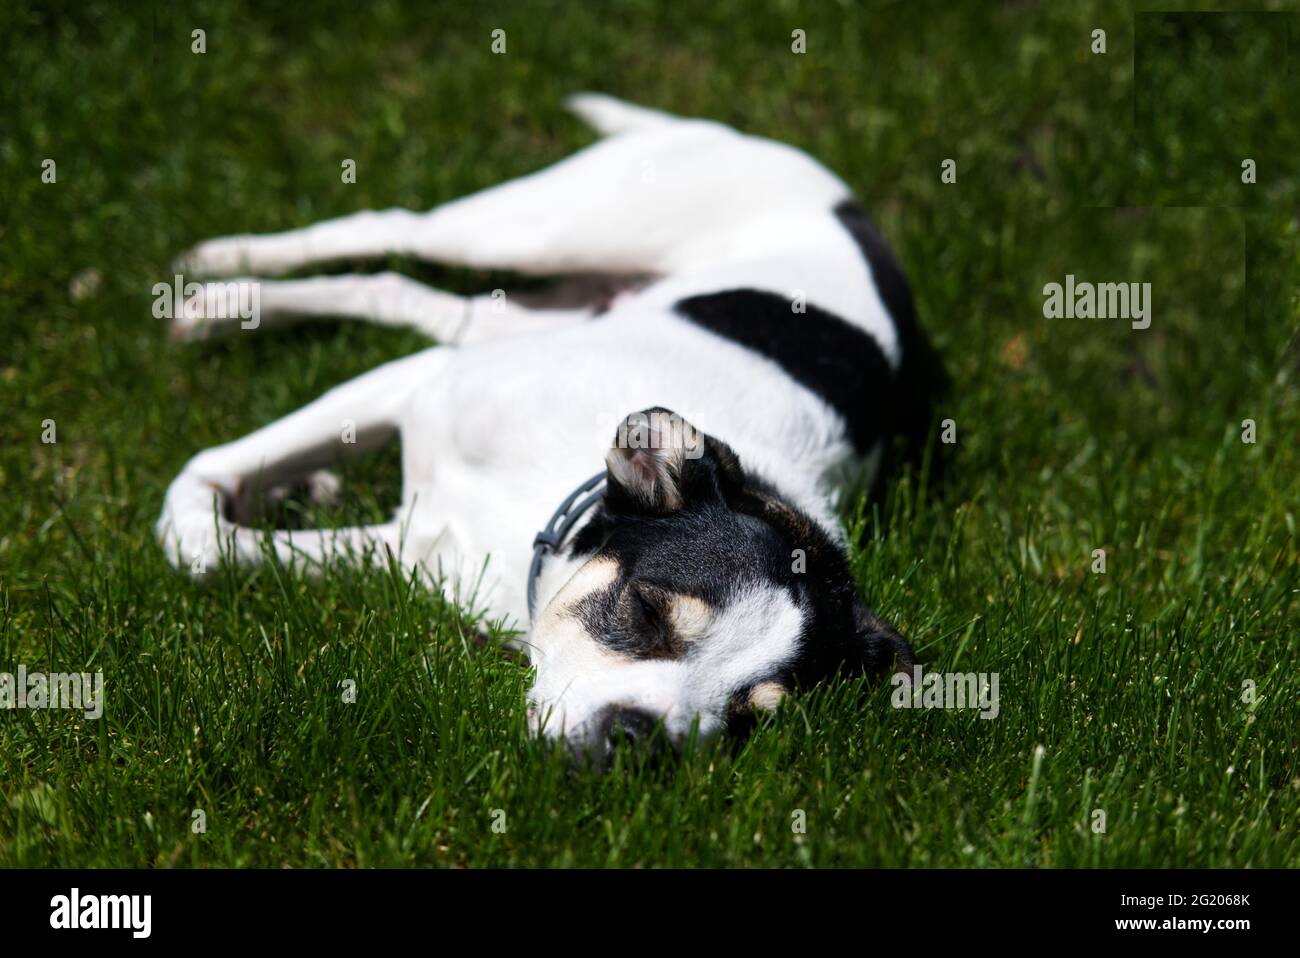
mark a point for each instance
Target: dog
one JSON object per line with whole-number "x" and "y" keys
{"x": 733, "y": 320}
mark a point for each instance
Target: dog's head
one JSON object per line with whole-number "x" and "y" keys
{"x": 700, "y": 595}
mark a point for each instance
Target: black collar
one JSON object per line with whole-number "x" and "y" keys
{"x": 552, "y": 537}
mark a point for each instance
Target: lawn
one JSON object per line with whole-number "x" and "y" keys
{"x": 1148, "y": 714}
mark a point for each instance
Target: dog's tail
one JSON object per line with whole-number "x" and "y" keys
{"x": 608, "y": 115}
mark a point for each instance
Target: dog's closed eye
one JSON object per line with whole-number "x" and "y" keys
{"x": 658, "y": 637}
{"x": 649, "y": 614}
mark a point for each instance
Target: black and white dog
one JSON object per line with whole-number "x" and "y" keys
{"x": 749, "y": 365}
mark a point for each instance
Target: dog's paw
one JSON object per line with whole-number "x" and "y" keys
{"x": 192, "y": 529}
{"x": 226, "y": 256}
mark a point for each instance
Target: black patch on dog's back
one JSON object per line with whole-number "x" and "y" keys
{"x": 885, "y": 271}
{"x": 920, "y": 376}
{"x": 834, "y": 359}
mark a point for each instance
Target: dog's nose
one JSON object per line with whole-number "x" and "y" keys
{"x": 624, "y": 724}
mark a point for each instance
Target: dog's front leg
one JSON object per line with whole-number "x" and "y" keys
{"x": 195, "y": 526}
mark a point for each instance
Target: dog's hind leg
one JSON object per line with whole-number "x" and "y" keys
{"x": 657, "y": 198}
{"x": 353, "y": 418}
{"x": 389, "y": 299}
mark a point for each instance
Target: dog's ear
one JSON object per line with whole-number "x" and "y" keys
{"x": 876, "y": 648}
{"x": 659, "y": 463}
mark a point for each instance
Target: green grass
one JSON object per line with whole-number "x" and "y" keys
{"x": 1073, "y": 435}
